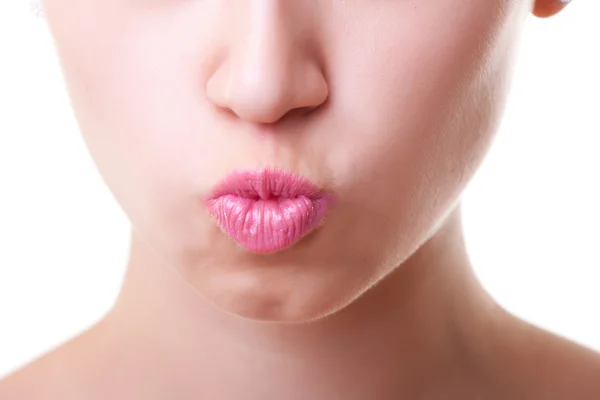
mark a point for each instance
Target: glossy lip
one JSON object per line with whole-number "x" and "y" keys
{"x": 267, "y": 210}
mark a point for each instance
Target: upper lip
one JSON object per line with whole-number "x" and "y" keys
{"x": 266, "y": 184}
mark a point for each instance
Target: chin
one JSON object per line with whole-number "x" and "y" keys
{"x": 277, "y": 294}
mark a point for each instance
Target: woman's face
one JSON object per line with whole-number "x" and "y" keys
{"x": 389, "y": 104}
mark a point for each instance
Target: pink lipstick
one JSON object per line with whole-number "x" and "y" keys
{"x": 267, "y": 210}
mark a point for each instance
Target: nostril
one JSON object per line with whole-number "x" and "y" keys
{"x": 227, "y": 112}
{"x": 304, "y": 111}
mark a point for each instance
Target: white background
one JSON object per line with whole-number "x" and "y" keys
{"x": 532, "y": 213}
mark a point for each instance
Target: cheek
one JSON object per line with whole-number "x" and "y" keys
{"x": 416, "y": 117}
{"x": 420, "y": 105}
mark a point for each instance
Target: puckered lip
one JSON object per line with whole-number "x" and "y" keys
{"x": 268, "y": 210}
{"x": 268, "y": 184}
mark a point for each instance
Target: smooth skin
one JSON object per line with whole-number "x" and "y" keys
{"x": 391, "y": 104}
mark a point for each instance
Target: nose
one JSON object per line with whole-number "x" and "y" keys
{"x": 269, "y": 69}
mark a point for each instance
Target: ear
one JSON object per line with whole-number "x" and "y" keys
{"x": 548, "y": 8}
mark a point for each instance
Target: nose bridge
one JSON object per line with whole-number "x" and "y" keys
{"x": 266, "y": 55}
{"x": 268, "y": 70}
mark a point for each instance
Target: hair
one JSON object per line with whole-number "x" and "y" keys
{"x": 36, "y": 8}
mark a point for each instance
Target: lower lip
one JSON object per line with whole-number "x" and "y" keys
{"x": 264, "y": 222}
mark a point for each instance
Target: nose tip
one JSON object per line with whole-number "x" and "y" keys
{"x": 263, "y": 93}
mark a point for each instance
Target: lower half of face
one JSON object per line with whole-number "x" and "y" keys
{"x": 387, "y": 107}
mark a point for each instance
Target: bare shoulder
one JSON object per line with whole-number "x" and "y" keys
{"x": 66, "y": 372}
{"x": 39, "y": 379}
{"x": 546, "y": 366}
{"x": 574, "y": 369}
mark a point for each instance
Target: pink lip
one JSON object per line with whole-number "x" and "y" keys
{"x": 267, "y": 210}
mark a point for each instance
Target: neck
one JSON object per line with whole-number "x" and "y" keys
{"x": 401, "y": 336}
